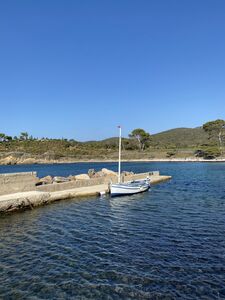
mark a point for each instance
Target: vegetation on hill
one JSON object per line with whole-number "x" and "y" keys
{"x": 180, "y": 138}
{"x": 206, "y": 141}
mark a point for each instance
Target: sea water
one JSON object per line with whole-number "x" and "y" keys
{"x": 168, "y": 243}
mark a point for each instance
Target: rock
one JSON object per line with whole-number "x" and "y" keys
{"x": 91, "y": 173}
{"x": 82, "y": 177}
{"x": 108, "y": 172}
{"x": 28, "y": 161}
{"x": 60, "y": 179}
{"x": 45, "y": 180}
{"x": 98, "y": 174}
{"x": 9, "y": 160}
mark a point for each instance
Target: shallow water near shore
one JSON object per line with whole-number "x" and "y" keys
{"x": 164, "y": 244}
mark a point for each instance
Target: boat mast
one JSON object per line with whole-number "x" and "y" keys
{"x": 119, "y": 163}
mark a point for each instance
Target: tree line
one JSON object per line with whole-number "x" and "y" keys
{"x": 139, "y": 135}
{"x": 22, "y": 137}
{"x": 142, "y": 139}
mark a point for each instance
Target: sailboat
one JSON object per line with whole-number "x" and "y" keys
{"x": 130, "y": 187}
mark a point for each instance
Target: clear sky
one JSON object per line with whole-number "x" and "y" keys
{"x": 78, "y": 68}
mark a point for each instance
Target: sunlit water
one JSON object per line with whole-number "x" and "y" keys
{"x": 168, "y": 243}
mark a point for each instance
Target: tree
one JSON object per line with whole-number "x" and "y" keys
{"x": 24, "y": 136}
{"x": 142, "y": 137}
{"x": 215, "y": 130}
{"x": 8, "y": 138}
{"x": 2, "y": 137}
{"x": 209, "y": 152}
{"x": 5, "y": 138}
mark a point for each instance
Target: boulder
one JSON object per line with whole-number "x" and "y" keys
{"x": 82, "y": 177}
{"x": 91, "y": 173}
{"x": 98, "y": 174}
{"x": 45, "y": 180}
{"x": 60, "y": 179}
{"x": 108, "y": 172}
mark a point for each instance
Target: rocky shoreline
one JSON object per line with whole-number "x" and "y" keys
{"x": 17, "y": 158}
{"x": 25, "y": 160}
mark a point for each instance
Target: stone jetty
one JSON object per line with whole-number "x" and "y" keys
{"x": 19, "y": 191}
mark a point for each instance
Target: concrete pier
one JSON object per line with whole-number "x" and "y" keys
{"x": 31, "y": 199}
{"x": 17, "y": 182}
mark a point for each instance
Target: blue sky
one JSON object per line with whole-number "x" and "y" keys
{"x": 77, "y": 69}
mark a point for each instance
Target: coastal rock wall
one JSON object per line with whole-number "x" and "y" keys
{"x": 91, "y": 182}
{"x": 17, "y": 182}
{"x": 75, "y": 184}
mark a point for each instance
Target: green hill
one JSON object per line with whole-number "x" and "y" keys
{"x": 180, "y": 138}
{"x": 177, "y": 137}
{"x": 177, "y": 143}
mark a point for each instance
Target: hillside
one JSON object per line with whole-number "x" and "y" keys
{"x": 180, "y": 138}
{"x": 176, "y": 143}
{"x": 177, "y": 137}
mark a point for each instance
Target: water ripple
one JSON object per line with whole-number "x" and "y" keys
{"x": 165, "y": 244}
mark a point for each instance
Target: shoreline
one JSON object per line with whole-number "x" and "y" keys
{"x": 44, "y": 162}
{"x": 139, "y": 160}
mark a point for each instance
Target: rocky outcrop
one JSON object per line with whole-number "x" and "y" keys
{"x": 14, "y": 158}
{"x": 27, "y": 161}
{"x": 19, "y": 159}
{"x": 9, "y": 160}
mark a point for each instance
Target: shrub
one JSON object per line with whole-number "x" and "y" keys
{"x": 208, "y": 153}
{"x": 170, "y": 153}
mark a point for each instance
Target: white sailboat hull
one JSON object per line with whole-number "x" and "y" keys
{"x": 130, "y": 188}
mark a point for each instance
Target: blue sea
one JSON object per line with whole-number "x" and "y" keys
{"x": 168, "y": 243}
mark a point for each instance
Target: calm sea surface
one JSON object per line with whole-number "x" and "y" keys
{"x": 168, "y": 243}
